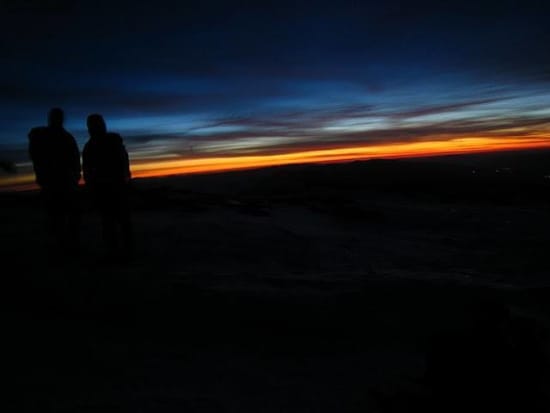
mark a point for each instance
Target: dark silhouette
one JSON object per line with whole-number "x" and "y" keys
{"x": 56, "y": 162}
{"x": 107, "y": 176}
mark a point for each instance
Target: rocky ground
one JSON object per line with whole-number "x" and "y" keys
{"x": 261, "y": 292}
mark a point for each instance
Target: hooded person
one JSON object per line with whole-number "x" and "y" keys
{"x": 107, "y": 176}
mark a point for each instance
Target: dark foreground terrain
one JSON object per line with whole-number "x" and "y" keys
{"x": 387, "y": 286}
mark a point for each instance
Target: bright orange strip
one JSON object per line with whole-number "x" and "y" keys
{"x": 395, "y": 150}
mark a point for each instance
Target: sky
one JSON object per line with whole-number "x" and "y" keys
{"x": 223, "y": 85}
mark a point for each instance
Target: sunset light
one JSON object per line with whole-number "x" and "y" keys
{"x": 243, "y": 95}
{"x": 146, "y": 168}
{"x": 284, "y": 206}
{"x": 396, "y": 150}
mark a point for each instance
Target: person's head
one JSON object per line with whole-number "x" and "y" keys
{"x": 96, "y": 125}
{"x": 55, "y": 118}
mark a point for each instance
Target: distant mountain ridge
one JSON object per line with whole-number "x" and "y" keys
{"x": 501, "y": 176}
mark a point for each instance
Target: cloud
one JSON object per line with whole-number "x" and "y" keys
{"x": 443, "y": 108}
{"x": 302, "y": 130}
{"x": 239, "y": 79}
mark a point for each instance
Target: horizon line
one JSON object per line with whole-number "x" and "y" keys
{"x": 224, "y": 164}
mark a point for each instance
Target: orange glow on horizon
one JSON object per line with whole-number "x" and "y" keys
{"x": 346, "y": 154}
{"x": 454, "y": 146}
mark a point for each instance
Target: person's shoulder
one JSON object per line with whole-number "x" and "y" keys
{"x": 114, "y": 140}
{"x": 113, "y": 136}
{"x": 37, "y": 132}
{"x": 39, "y": 129}
{"x": 89, "y": 144}
{"x": 67, "y": 134}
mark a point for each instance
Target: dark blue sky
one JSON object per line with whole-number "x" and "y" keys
{"x": 254, "y": 77}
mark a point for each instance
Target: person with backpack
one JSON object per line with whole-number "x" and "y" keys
{"x": 107, "y": 177}
{"x": 56, "y": 162}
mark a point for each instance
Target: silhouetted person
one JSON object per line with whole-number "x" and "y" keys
{"x": 107, "y": 176}
{"x": 56, "y": 162}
